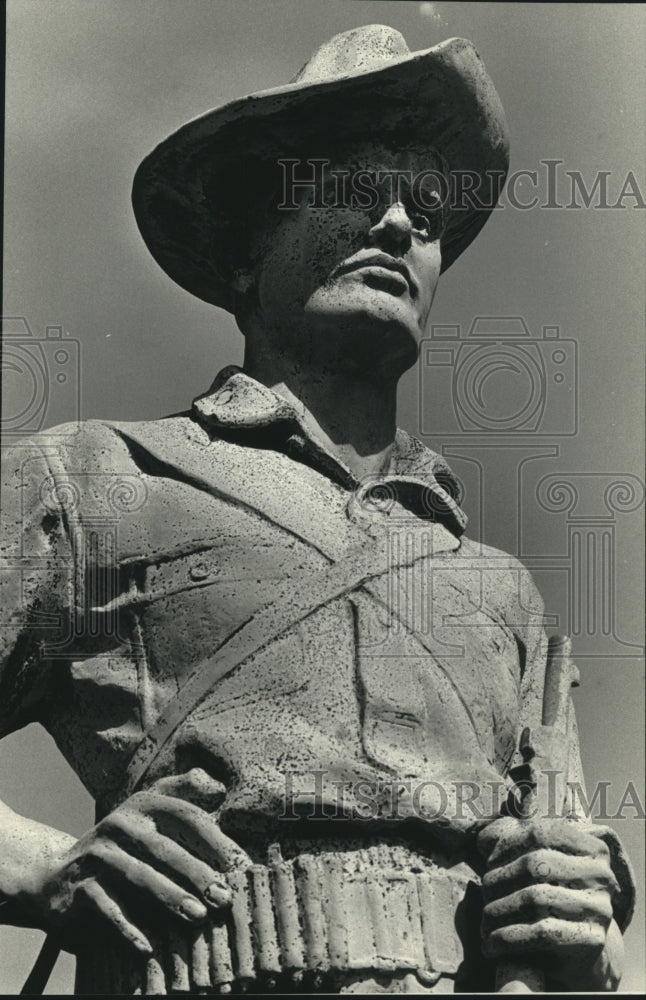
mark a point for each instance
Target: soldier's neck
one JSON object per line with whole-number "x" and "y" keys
{"x": 354, "y": 418}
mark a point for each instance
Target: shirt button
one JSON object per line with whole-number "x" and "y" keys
{"x": 199, "y": 571}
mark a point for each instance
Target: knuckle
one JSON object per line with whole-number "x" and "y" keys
{"x": 529, "y": 907}
{"x": 534, "y": 836}
{"x": 495, "y": 834}
{"x": 96, "y": 850}
{"x": 141, "y": 803}
{"x": 543, "y": 866}
{"x": 533, "y": 897}
{"x": 499, "y": 828}
{"x": 114, "y": 824}
{"x": 136, "y": 801}
{"x": 101, "y": 850}
{"x": 543, "y": 894}
{"x": 525, "y": 865}
{"x": 527, "y": 897}
{"x": 544, "y": 931}
{"x": 540, "y": 865}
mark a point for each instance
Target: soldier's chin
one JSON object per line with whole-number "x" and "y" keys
{"x": 389, "y": 346}
{"x": 376, "y": 328}
{"x": 397, "y": 350}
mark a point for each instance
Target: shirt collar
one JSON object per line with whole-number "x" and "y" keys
{"x": 237, "y": 404}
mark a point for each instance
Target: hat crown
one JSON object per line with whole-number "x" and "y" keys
{"x": 354, "y": 51}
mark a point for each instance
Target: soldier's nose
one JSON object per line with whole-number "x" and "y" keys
{"x": 392, "y": 232}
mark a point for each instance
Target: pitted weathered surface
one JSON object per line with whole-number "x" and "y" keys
{"x": 441, "y": 97}
{"x": 324, "y": 691}
{"x": 258, "y": 631}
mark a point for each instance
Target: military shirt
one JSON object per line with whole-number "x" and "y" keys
{"x": 133, "y": 551}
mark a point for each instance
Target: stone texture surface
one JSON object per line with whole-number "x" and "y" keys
{"x": 260, "y": 636}
{"x": 442, "y": 95}
{"x": 342, "y": 694}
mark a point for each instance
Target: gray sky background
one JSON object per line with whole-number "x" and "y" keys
{"x": 92, "y": 86}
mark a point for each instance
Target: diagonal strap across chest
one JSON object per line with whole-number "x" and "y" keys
{"x": 298, "y": 598}
{"x": 344, "y": 571}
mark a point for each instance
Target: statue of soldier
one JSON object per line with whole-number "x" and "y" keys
{"x": 257, "y": 630}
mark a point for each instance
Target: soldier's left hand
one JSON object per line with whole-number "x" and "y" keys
{"x": 548, "y": 891}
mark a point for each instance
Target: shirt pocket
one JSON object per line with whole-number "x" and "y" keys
{"x": 187, "y": 606}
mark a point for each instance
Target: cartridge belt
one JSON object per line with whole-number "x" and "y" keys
{"x": 317, "y": 915}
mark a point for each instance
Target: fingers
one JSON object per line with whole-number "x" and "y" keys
{"x": 162, "y": 848}
{"x": 537, "y": 902}
{"x": 121, "y": 869}
{"x": 550, "y": 935}
{"x": 507, "y": 839}
{"x": 139, "y": 836}
{"x": 549, "y": 866}
{"x": 180, "y": 807}
{"x": 95, "y": 898}
{"x": 194, "y": 829}
{"x": 548, "y": 891}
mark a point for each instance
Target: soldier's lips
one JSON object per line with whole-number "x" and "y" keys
{"x": 380, "y": 271}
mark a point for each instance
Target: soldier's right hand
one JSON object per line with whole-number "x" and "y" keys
{"x": 158, "y": 855}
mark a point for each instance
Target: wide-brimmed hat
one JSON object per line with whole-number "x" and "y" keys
{"x": 190, "y": 194}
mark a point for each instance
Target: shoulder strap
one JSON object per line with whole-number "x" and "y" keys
{"x": 298, "y": 598}
{"x": 346, "y": 570}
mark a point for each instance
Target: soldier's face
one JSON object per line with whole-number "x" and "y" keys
{"x": 351, "y": 273}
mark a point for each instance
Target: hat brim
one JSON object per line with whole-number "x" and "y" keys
{"x": 442, "y": 97}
